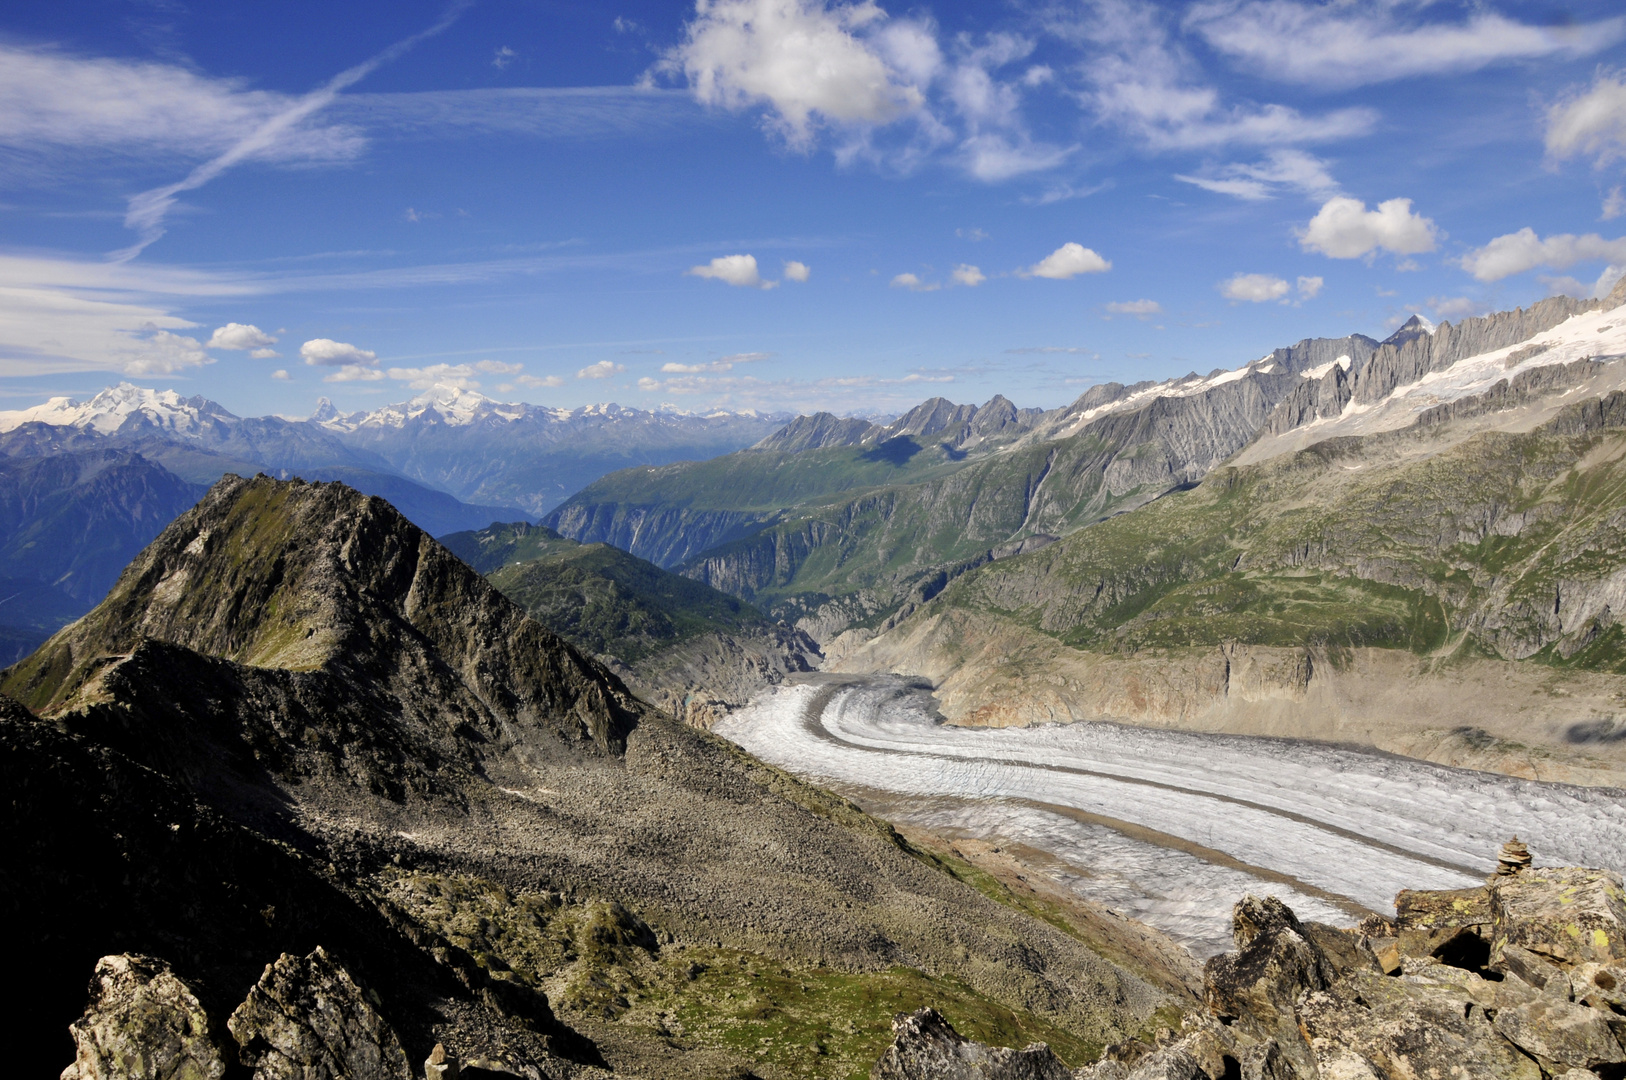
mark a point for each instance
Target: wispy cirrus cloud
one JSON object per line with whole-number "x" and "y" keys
{"x": 1342, "y": 45}
{"x": 723, "y": 363}
{"x": 1139, "y": 78}
{"x": 1282, "y": 169}
{"x": 148, "y": 210}
{"x": 50, "y": 98}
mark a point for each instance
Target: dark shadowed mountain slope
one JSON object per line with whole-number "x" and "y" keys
{"x": 69, "y": 523}
{"x": 201, "y": 460}
{"x": 313, "y": 667}
{"x": 100, "y": 855}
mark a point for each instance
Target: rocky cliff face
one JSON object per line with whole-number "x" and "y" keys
{"x": 1416, "y": 351}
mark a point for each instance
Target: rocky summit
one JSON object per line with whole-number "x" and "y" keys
{"x": 305, "y": 796}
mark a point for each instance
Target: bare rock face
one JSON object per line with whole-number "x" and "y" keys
{"x": 143, "y": 1023}
{"x": 925, "y": 1047}
{"x": 1567, "y": 915}
{"x": 1259, "y": 985}
{"x": 1519, "y": 980}
{"x": 1561, "y": 1034}
{"x": 1408, "y": 1026}
{"x": 308, "y": 1020}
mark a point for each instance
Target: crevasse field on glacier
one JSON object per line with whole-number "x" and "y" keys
{"x": 1330, "y": 830}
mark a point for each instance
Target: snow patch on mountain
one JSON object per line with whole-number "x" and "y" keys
{"x": 1596, "y": 335}
{"x": 109, "y": 410}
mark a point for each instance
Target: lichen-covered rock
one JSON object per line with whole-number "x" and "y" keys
{"x": 926, "y": 1047}
{"x": 1561, "y": 1034}
{"x": 1454, "y": 925}
{"x": 1260, "y": 984}
{"x": 142, "y": 1023}
{"x": 307, "y": 1019}
{"x": 1568, "y": 915}
{"x": 1407, "y": 1027}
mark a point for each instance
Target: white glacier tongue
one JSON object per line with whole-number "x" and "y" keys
{"x": 1173, "y": 827}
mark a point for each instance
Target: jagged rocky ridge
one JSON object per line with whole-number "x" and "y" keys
{"x": 1523, "y": 979}
{"x": 1409, "y": 355}
{"x": 298, "y": 721}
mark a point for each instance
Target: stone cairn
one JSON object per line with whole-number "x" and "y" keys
{"x": 1513, "y": 858}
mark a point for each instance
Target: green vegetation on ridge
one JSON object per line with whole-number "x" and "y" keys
{"x": 1353, "y": 542}
{"x": 597, "y": 596}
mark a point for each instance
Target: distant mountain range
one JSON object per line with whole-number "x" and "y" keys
{"x": 1348, "y": 538}
{"x": 86, "y": 484}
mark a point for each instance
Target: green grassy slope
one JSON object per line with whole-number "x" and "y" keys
{"x": 597, "y": 596}
{"x": 1507, "y": 543}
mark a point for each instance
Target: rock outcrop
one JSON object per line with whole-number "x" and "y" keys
{"x": 1522, "y": 979}
{"x": 142, "y": 1023}
{"x": 306, "y": 1019}
{"x": 926, "y": 1047}
{"x": 1517, "y": 979}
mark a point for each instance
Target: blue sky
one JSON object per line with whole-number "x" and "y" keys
{"x": 778, "y": 204}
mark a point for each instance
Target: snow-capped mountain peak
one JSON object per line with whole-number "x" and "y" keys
{"x": 109, "y": 410}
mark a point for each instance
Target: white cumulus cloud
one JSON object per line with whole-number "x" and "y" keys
{"x": 604, "y": 369}
{"x": 968, "y": 275}
{"x": 1067, "y": 261}
{"x": 1345, "y": 229}
{"x": 460, "y": 376}
{"x": 264, "y": 354}
{"x": 325, "y": 352}
{"x": 797, "y": 271}
{"x": 1591, "y": 123}
{"x": 807, "y": 60}
{"x": 165, "y": 353}
{"x": 281, "y": 375}
{"x": 1514, "y": 253}
{"x": 738, "y": 270}
{"x": 913, "y": 283}
{"x": 1309, "y": 287}
{"x": 1254, "y": 288}
{"x": 355, "y": 373}
{"x": 239, "y": 336}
